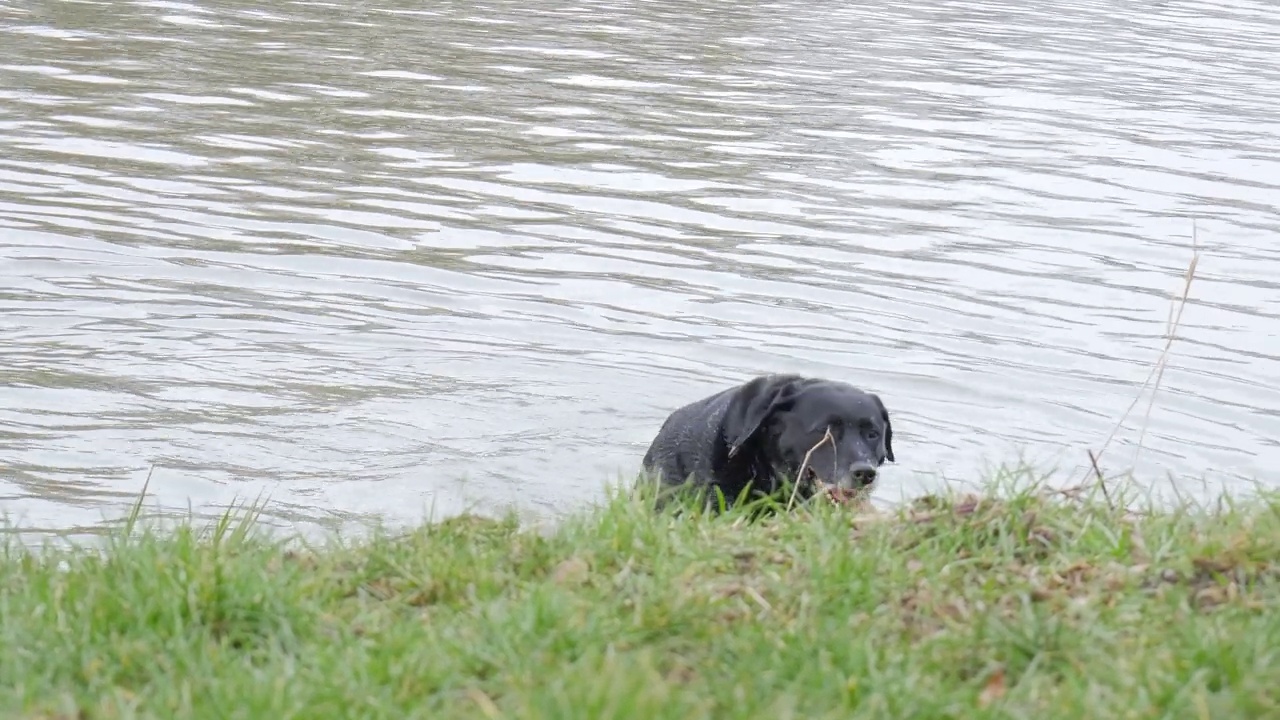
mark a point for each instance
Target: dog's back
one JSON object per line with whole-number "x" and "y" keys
{"x": 688, "y": 440}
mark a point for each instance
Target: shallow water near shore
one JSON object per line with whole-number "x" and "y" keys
{"x": 374, "y": 261}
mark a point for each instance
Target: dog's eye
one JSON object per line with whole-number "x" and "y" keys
{"x": 873, "y": 435}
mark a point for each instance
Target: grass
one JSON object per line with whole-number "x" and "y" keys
{"x": 1018, "y": 604}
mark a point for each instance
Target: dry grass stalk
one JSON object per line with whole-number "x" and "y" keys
{"x": 1102, "y": 481}
{"x": 804, "y": 465}
{"x": 1176, "y": 308}
{"x": 484, "y": 702}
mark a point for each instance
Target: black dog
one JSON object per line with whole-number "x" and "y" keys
{"x": 757, "y": 435}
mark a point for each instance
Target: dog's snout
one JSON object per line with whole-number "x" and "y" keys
{"x": 863, "y": 474}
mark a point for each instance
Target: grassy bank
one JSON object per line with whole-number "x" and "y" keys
{"x": 955, "y": 607}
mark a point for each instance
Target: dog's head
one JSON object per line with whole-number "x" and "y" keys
{"x": 780, "y": 419}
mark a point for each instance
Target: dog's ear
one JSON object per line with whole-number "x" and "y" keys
{"x": 888, "y": 428}
{"x": 752, "y": 405}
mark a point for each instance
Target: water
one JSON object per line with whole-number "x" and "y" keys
{"x": 369, "y": 259}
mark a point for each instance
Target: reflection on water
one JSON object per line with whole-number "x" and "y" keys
{"x": 374, "y": 259}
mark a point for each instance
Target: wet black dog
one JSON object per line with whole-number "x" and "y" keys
{"x": 756, "y": 436}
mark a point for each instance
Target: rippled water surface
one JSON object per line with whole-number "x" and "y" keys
{"x": 370, "y": 258}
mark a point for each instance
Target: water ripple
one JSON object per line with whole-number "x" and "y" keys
{"x": 306, "y": 251}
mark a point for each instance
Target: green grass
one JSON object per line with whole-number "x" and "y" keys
{"x": 1028, "y": 606}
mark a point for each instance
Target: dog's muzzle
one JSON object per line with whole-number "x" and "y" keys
{"x": 860, "y": 477}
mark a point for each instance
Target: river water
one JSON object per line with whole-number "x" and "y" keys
{"x": 370, "y": 260}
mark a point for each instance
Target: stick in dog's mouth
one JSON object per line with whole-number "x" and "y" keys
{"x": 841, "y": 495}
{"x": 834, "y": 492}
{"x": 807, "y": 473}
